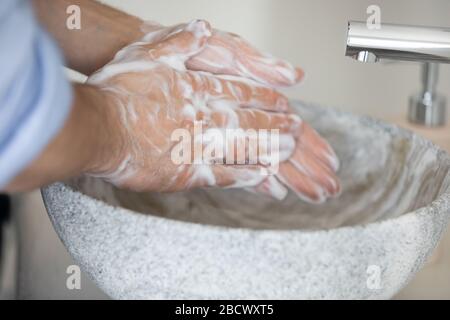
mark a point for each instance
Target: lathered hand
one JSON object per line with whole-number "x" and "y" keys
{"x": 228, "y": 53}
{"x": 154, "y": 94}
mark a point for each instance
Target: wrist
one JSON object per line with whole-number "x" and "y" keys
{"x": 108, "y": 138}
{"x": 89, "y": 141}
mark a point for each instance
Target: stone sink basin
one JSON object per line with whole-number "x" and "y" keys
{"x": 231, "y": 244}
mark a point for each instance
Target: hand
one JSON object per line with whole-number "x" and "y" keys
{"x": 154, "y": 95}
{"x": 311, "y": 172}
{"x": 143, "y": 95}
{"x": 229, "y": 54}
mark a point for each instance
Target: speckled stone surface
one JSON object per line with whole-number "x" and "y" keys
{"x": 364, "y": 252}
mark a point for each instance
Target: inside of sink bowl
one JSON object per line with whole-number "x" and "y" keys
{"x": 385, "y": 172}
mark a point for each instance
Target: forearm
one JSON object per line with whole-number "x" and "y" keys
{"x": 104, "y": 31}
{"x": 86, "y": 142}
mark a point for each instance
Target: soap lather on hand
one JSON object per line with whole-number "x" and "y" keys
{"x": 186, "y": 73}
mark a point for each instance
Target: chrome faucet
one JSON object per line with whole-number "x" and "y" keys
{"x": 429, "y": 45}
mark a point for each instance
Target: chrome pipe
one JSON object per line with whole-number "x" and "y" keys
{"x": 398, "y": 42}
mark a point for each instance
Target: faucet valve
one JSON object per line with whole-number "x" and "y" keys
{"x": 430, "y": 45}
{"x": 429, "y": 107}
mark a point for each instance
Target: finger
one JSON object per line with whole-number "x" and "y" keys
{"x": 271, "y": 187}
{"x": 219, "y": 55}
{"x": 318, "y": 146}
{"x": 244, "y": 92}
{"x": 229, "y": 54}
{"x": 305, "y": 187}
{"x": 309, "y": 165}
{"x": 239, "y": 176}
{"x": 226, "y": 115}
{"x": 183, "y": 43}
{"x": 271, "y": 71}
{"x": 248, "y": 94}
{"x": 214, "y": 59}
{"x": 226, "y": 176}
{"x": 245, "y": 147}
{"x": 254, "y": 130}
{"x": 155, "y": 32}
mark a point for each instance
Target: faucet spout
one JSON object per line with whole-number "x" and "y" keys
{"x": 398, "y": 42}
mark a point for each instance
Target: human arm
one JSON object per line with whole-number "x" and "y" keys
{"x": 87, "y": 140}
{"x": 105, "y": 30}
{"x": 138, "y": 79}
{"x": 120, "y": 124}
{"x": 319, "y": 187}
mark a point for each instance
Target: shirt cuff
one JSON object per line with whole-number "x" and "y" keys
{"x": 47, "y": 95}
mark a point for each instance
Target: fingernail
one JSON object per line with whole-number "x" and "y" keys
{"x": 271, "y": 186}
{"x": 331, "y": 158}
{"x": 200, "y": 28}
{"x": 248, "y": 178}
{"x": 296, "y": 124}
{"x": 287, "y": 146}
{"x": 300, "y": 74}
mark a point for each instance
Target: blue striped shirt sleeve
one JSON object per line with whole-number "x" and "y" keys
{"x": 35, "y": 96}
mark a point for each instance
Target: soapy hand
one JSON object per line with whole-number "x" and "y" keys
{"x": 228, "y": 53}
{"x": 153, "y": 95}
{"x": 311, "y": 172}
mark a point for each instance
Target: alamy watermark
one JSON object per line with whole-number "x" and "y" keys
{"x": 73, "y": 281}
{"x": 227, "y": 146}
{"x": 373, "y": 21}
{"x": 73, "y": 21}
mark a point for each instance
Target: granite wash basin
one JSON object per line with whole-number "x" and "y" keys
{"x": 231, "y": 244}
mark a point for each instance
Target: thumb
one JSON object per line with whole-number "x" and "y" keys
{"x": 182, "y": 43}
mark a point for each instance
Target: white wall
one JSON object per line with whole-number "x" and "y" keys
{"x": 311, "y": 33}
